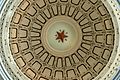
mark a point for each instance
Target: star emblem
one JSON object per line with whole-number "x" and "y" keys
{"x": 61, "y": 36}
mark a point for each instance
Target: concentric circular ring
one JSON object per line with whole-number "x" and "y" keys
{"x": 61, "y": 36}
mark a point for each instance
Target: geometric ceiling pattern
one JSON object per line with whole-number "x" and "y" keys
{"x": 59, "y": 39}
{"x": 36, "y": 61}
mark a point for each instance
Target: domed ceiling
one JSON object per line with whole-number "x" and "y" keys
{"x": 60, "y": 39}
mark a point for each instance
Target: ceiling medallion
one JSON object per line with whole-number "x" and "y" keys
{"x": 64, "y": 42}
{"x": 61, "y": 36}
